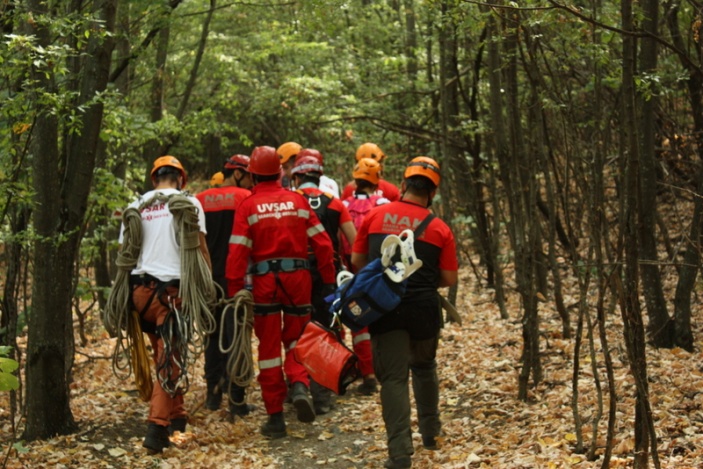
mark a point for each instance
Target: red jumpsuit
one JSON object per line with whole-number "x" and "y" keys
{"x": 275, "y": 224}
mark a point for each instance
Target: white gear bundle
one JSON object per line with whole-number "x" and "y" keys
{"x": 399, "y": 270}
{"x": 408, "y": 264}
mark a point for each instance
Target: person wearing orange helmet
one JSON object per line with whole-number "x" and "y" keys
{"x": 366, "y": 176}
{"x": 220, "y": 204}
{"x": 155, "y": 283}
{"x": 273, "y": 229}
{"x": 286, "y": 154}
{"x": 384, "y": 188}
{"x": 217, "y": 179}
{"x": 404, "y": 342}
{"x": 335, "y": 218}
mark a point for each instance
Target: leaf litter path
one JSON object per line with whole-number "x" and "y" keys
{"x": 484, "y": 425}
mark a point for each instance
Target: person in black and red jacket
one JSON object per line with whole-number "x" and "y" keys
{"x": 220, "y": 204}
{"x": 336, "y": 219}
{"x": 405, "y": 341}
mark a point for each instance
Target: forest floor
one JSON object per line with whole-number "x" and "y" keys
{"x": 484, "y": 424}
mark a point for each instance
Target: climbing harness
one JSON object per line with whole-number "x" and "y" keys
{"x": 184, "y": 330}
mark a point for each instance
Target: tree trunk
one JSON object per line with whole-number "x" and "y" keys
{"x": 60, "y": 208}
{"x": 630, "y": 309}
{"x": 500, "y": 145}
{"x": 683, "y": 335}
{"x": 659, "y": 327}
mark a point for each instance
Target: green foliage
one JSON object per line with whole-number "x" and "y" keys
{"x": 8, "y": 381}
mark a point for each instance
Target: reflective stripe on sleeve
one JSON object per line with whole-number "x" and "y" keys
{"x": 361, "y": 338}
{"x": 292, "y": 345}
{"x": 271, "y": 363}
{"x": 317, "y": 229}
{"x": 243, "y": 240}
{"x": 253, "y": 218}
{"x": 303, "y": 213}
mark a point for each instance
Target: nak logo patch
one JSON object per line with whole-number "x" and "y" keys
{"x": 394, "y": 223}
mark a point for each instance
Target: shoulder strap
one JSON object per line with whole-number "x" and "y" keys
{"x": 421, "y": 227}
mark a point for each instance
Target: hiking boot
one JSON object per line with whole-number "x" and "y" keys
{"x": 214, "y": 396}
{"x": 156, "y": 438}
{"x": 368, "y": 387}
{"x": 241, "y": 410}
{"x": 302, "y": 402}
{"x": 275, "y": 426}
{"x": 322, "y": 398}
{"x": 429, "y": 442}
{"x": 402, "y": 462}
{"x": 177, "y": 425}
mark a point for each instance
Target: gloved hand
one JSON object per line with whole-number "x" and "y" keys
{"x": 328, "y": 289}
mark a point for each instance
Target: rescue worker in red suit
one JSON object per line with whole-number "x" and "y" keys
{"x": 405, "y": 341}
{"x": 385, "y": 188}
{"x": 220, "y": 204}
{"x": 335, "y": 217}
{"x": 273, "y": 228}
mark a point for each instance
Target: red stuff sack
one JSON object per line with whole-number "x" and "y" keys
{"x": 326, "y": 358}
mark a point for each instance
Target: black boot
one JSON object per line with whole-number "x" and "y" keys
{"x": 156, "y": 438}
{"x": 302, "y": 402}
{"x": 177, "y": 425}
{"x": 214, "y": 396}
{"x": 238, "y": 402}
{"x": 322, "y": 398}
{"x": 275, "y": 426}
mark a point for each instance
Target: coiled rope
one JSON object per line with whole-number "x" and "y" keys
{"x": 240, "y": 361}
{"x": 197, "y": 293}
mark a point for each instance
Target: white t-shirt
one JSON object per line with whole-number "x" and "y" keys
{"x": 160, "y": 255}
{"x": 329, "y": 185}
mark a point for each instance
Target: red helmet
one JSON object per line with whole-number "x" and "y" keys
{"x": 309, "y": 152}
{"x": 264, "y": 161}
{"x": 423, "y": 166}
{"x": 288, "y": 150}
{"x": 307, "y": 164}
{"x": 237, "y": 162}
{"x": 171, "y": 161}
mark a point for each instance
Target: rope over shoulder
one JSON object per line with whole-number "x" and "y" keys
{"x": 197, "y": 289}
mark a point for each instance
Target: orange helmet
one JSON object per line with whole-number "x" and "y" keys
{"x": 309, "y": 152}
{"x": 367, "y": 169}
{"x": 288, "y": 150}
{"x": 423, "y": 166}
{"x": 171, "y": 161}
{"x": 237, "y": 162}
{"x": 307, "y": 164}
{"x": 264, "y": 161}
{"x": 217, "y": 179}
{"x": 370, "y": 150}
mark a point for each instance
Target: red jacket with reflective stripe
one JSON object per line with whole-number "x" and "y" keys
{"x": 276, "y": 223}
{"x": 385, "y": 189}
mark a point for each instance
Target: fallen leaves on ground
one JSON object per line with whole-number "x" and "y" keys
{"x": 484, "y": 425}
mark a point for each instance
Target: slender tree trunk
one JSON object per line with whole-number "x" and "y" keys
{"x": 630, "y": 309}
{"x": 683, "y": 334}
{"x": 500, "y": 145}
{"x": 659, "y": 326}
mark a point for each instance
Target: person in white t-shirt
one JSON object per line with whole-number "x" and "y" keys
{"x": 155, "y": 285}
